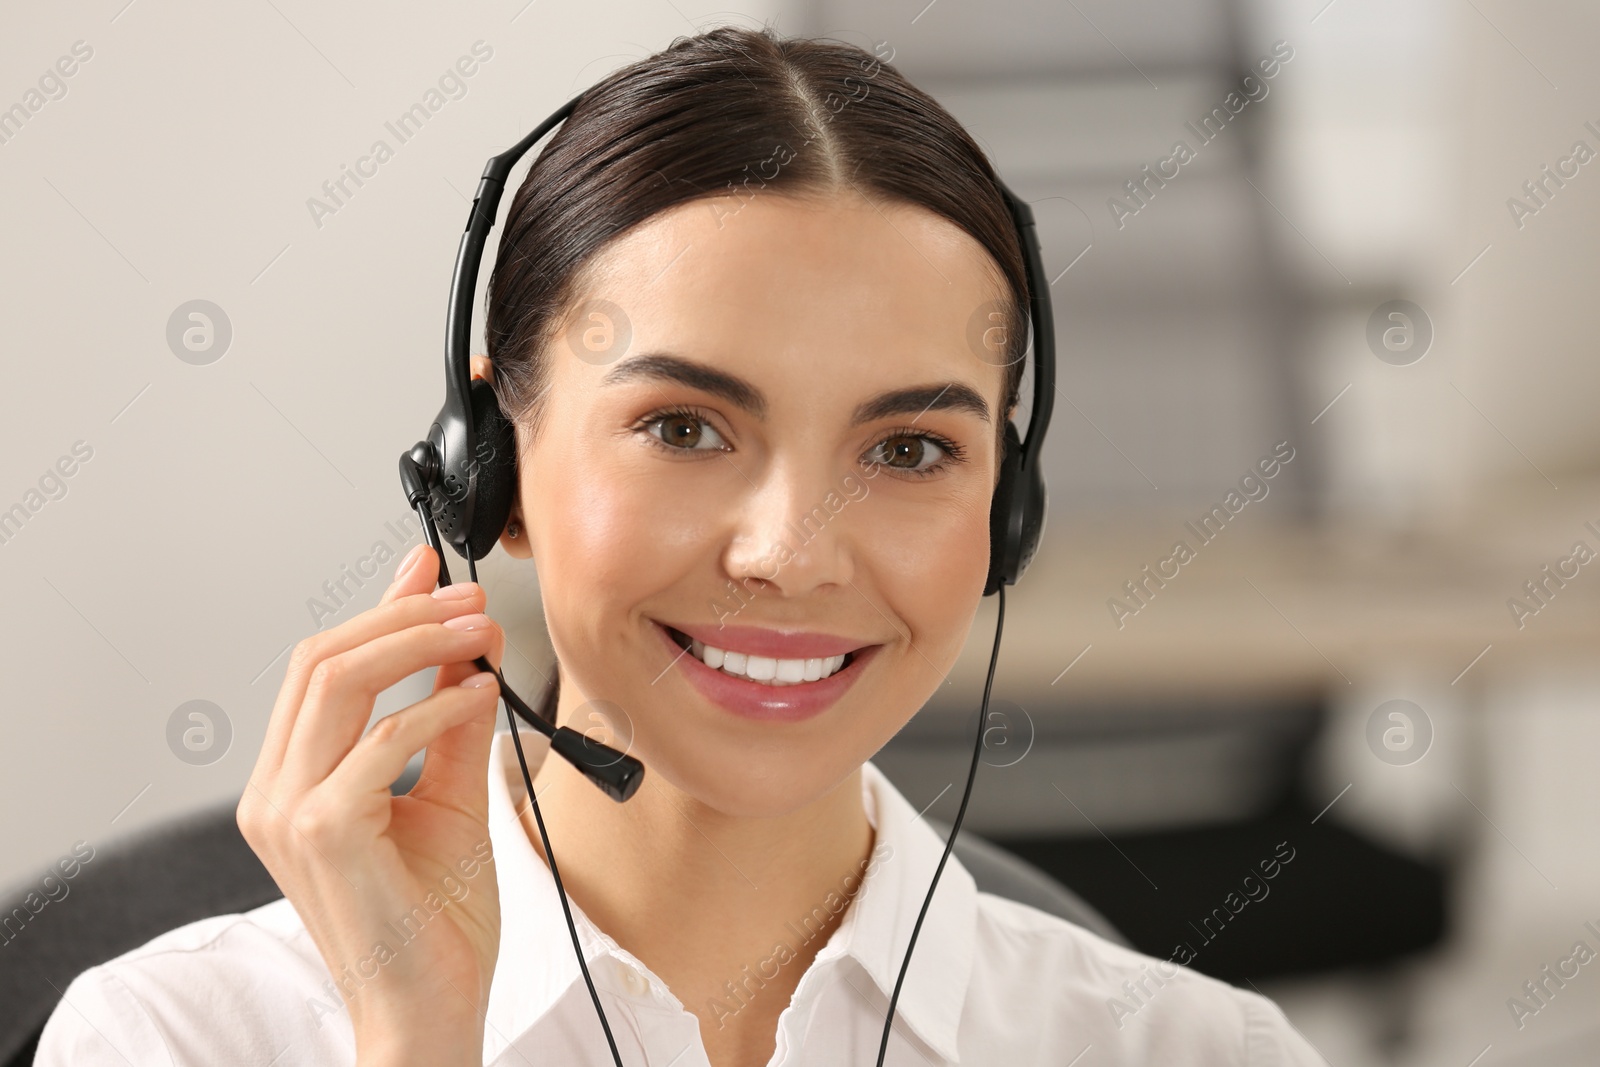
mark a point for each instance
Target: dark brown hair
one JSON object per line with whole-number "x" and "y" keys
{"x": 731, "y": 111}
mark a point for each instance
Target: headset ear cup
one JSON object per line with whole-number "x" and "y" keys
{"x": 1031, "y": 520}
{"x": 1002, "y": 549}
{"x": 495, "y": 450}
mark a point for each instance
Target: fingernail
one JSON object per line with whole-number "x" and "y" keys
{"x": 409, "y": 562}
{"x": 481, "y": 680}
{"x": 458, "y": 591}
{"x": 467, "y": 622}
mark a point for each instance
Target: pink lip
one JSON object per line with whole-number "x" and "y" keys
{"x": 755, "y": 641}
{"x": 775, "y": 703}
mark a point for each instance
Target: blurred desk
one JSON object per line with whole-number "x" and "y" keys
{"x": 1281, "y": 607}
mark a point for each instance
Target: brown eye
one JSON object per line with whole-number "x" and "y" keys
{"x": 903, "y": 451}
{"x": 910, "y": 452}
{"x": 682, "y": 431}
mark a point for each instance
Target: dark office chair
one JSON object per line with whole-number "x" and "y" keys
{"x": 200, "y": 866}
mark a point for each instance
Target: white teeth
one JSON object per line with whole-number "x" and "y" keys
{"x": 766, "y": 669}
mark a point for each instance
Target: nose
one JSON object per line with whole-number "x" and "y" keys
{"x": 792, "y": 530}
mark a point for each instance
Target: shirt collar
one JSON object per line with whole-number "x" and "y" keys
{"x": 536, "y": 965}
{"x": 878, "y": 924}
{"x": 531, "y": 975}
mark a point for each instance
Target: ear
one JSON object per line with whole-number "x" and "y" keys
{"x": 518, "y": 547}
{"x": 482, "y": 367}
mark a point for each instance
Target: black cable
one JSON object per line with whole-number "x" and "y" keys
{"x": 533, "y": 799}
{"x": 977, "y": 751}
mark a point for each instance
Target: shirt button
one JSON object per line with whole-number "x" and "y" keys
{"x": 636, "y": 983}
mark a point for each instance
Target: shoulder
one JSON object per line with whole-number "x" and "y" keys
{"x": 235, "y": 988}
{"x": 1132, "y": 1007}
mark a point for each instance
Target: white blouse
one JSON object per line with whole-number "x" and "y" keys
{"x": 992, "y": 982}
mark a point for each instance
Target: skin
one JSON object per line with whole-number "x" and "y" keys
{"x": 819, "y": 302}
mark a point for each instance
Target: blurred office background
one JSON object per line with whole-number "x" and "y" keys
{"x": 1343, "y": 670}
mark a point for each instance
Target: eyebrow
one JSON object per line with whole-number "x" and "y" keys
{"x": 914, "y": 400}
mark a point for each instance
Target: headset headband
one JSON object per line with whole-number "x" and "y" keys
{"x": 1019, "y": 527}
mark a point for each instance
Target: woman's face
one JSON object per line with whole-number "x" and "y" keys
{"x": 711, "y": 463}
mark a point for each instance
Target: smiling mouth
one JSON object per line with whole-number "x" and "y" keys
{"x": 763, "y": 670}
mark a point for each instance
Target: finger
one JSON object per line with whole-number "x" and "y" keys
{"x": 454, "y": 673}
{"x": 455, "y": 771}
{"x": 418, "y": 572}
{"x": 342, "y": 689}
{"x": 381, "y": 755}
{"x": 452, "y": 760}
{"x": 464, "y": 598}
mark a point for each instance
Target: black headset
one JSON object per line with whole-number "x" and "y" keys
{"x": 463, "y": 477}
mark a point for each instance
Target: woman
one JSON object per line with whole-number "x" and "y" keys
{"x": 732, "y": 319}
